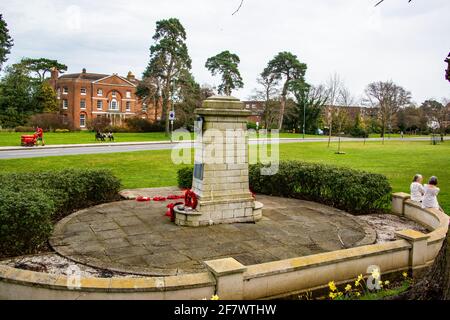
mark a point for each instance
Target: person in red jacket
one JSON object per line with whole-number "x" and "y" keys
{"x": 40, "y": 136}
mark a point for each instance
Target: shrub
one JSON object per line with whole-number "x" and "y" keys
{"x": 25, "y": 221}
{"x": 137, "y": 124}
{"x": 29, "y": 202}
{"x": 70, "y": 189}
{"x": 98, "y": 124}
{"x": 184, "y": 177}
{"x": 50, "y": 121}
{"x": 354, "y": 191}
{"x": 24, "y": 129}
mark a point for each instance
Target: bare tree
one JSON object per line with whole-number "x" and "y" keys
{"x": 345, "y": 100}
{"x": 388, "y": 98}
{"x": 333, "y": 87}
{"x": 269, "y": 93}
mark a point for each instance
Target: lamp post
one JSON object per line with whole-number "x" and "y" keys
{"x": 304, "y": 121}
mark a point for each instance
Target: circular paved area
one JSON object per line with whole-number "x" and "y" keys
{"x": 136, "y": 237}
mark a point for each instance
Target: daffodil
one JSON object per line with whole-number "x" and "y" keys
{"x": 348, "y": 288}
{"x": 358, "y": 294}
{"x": 360, "y": 278}
{"x": 332, "y": 286}
{"x": 332, "y": 295}
{"x": 386, "y": 283}
{"x": 405, "y": 274}
{"x": 215, "y": 297}
{"x": 376, "y": 274}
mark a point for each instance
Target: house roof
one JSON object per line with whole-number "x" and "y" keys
{"x": 84, "y": 76}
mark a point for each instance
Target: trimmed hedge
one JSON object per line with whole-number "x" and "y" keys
{"x": 31, "y": 202}
{"x": 184, "y": 177}
{"x": 354, "y": 191}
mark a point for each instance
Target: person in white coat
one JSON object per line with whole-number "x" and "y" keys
{"x": 417, "y": 189}
{"x": 430, "y": 196}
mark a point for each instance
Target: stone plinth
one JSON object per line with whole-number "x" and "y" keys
{"x": 221, "y": 180}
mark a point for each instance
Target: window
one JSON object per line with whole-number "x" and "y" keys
{"x": 128, "y": 106}
{"x": 99, "y": 105}
{"x": 65, "y": 90}
{"x": 83, "y": 104}
{"x": 82, "y": 120}
{"x": 128, "y": 94}
{"x": 58, "y": 93}
{"x": 114, "y": 93}
{"x": 100, "y": 92}
{"x": 65, "y": 104}
{"x": 83, "y": 91}
{"x": 114, "y": 105}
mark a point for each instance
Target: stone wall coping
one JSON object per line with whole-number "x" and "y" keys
{"x": 225, "y": 266}
{"x": 412, "y": 235}
{"x": 326, "y": 258}
{"x": 401, "y": 195}
{"x": 144, "y": 284}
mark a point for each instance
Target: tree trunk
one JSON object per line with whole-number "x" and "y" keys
{"x": 283, "y": 106}
{"x": 435, "y": 285}
{"x": 330, "y": 126}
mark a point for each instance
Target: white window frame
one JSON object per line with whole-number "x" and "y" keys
{"x": 82, "y": 120}
{"x": 65, "y": 90}
{"x": 83, "y": 91}
{"x": 128, "y": 106}
{"x": 100, "y": 92}
{"x": 128, "y": 94}
{"x": 81, "y": 104}
{"x": 100, "y": 102}
{"x": 114, "y": 93}
{"x": 111, "y": 105}
{"x": 65, "y": 104}
{"x": 58, "y": 93}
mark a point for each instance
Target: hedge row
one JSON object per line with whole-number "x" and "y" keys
{"x": 354, "y": 191}
{"x": 31, "y": 202}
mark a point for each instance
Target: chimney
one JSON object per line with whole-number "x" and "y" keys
{"x": 54, "y": 74}
{"x": 131, "y": 76}
{"x": 54, "y": 77}
{"x": 84, "y": 70}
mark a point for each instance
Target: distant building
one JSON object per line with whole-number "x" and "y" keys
{"x": 85, "y": 96}
{"x": 257, "y": 109}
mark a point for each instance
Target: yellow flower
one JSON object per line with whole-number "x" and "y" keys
{"x": 376, "y": 274}
{"x": 332, "y": 295}
{"x": 340, "y": 294}
{"x": 360, "y": 278}
{"x": 332, "y": 286}
{"x": 348, "y": 288}
{"x": 405, "y": 274}
{"x": 215, "y": 297}
{"x": 358, "y": 294}
{"x": 386, "y": 283}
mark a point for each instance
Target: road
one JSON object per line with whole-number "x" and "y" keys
{"x": 51, "y": 151}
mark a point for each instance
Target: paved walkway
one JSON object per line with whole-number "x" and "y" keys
{"x": 76, "y": 149}
{"x": 136, "y": 237}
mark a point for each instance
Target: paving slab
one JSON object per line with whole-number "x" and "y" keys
{"x": 136, "y": 237}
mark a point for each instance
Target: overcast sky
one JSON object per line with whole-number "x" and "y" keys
{"x": 406, "y": 43}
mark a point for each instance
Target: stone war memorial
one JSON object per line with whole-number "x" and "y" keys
{"x": 223, "y": 240}
{"x": 221, "y": 169}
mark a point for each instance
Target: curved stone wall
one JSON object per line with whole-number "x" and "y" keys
{"x": 232, "y": 280}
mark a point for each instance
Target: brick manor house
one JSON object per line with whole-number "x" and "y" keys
{"x": 85, "y": 96}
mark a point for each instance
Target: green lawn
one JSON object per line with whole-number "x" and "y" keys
{"x": 398, "y": 160}
{"x": 80, "y": 137}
